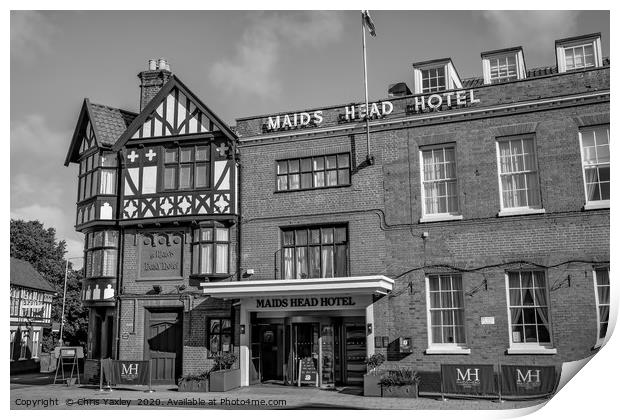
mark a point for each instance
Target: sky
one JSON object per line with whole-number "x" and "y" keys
{"x": 239, "y": 63}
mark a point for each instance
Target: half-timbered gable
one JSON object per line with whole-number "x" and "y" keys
{"x": 177, "y": 159}
{"x": 98, "y": 128}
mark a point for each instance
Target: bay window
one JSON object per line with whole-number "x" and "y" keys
{"x": 211, "y": 249}
{"x": 101, "y": 254}
{"x": 528, "y": 310}
{"x": 596, "y": 165}
{"x": 97, "y": 175}
{"x": 315, "y": 252}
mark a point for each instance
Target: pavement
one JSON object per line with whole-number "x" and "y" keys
{"x": 37, "y": 391}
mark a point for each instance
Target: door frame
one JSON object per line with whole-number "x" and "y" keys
{"x": 147, "y": 319}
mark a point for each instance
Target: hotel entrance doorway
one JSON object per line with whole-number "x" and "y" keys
{"x": 335, "y": 345}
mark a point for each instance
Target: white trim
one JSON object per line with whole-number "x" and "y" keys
{"x": 431, "y": 116}
{"x": 528, "y": 348}
{"x": 512, "y": 211}
{"x": 596, "y": 47}
{"x": 378, "y": 284}
{"x": 593, "y": 205}
{"x": 519, "y": 211}
{"x": 443, "y": 348}
{"x": 435, "y": 217}
{"x": 600, "y": 341}
{"x": 520, "y": 63}
{"x": 440, "y": 217}
{"x": 451, "y": 350}
{"x": 531, "y": 350}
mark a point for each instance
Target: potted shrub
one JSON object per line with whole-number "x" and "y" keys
{"x": 372, "y": 388}
{"x": 222, "y": 376}
{"x": 401, "y": 383}
{"x": 48, "y": 357}
{"x": 194, "y": 383}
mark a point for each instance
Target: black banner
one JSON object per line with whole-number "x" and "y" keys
{"x": 468, "y": 379}
{"x": 126, "y": 372}
{"x": 522, "y": 380}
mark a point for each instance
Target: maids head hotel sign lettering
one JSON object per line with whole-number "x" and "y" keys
{"x": 415, "y": 105}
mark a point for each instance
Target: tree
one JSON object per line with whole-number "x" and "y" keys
{"x": 31, "y": 242}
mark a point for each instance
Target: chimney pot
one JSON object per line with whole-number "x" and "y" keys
{"x": 162, "y": 64}
{"x": 152, "y": 64}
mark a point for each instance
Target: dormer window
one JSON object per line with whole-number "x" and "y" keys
{"x": 579, "y": 53}
{"x": 435, "y": 76}
{"x": 503, "y": 65}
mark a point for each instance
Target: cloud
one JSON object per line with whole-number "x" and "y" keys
{"x": 31, "y": 34}
{"x": 533, "y": 29}
{"x": 253, "y": 70}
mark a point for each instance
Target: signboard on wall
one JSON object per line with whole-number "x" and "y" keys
{"x": 468, "y": 379}
{"x": 160, "y": 255}
{"x": 528, "y": 380}
{"x": 300, "y": 303}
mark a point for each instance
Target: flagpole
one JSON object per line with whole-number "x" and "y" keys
{"x": 368, "y": 157}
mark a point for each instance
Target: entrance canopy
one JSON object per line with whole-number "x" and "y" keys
{"x": 377, "y": 284}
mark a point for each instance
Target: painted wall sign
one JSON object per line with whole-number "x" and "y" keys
{"x": 161, "y": 256}
{"x": 327, "y": 302}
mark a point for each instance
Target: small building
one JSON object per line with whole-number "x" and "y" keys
{"x": 30, "y": 314}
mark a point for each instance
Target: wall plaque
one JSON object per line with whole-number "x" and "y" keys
{"x": 160, "y": 256}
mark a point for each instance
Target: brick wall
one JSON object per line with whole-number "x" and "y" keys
{"x": 383, "y": 208}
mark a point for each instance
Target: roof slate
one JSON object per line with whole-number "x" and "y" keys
{"x": 110, "y": 123}
{"x": 23, "y": 274}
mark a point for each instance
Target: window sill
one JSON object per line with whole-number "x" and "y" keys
{"x": 533, "y": 350}
{"x": 327, "y": 187}
{"x": 594, "y": 205}
{"x": 440, "y": 218}
{"x": 519, "y": 212}
{"x": 455, "y": 350}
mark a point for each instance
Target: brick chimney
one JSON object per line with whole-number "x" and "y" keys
{"x": 152, "y": 80}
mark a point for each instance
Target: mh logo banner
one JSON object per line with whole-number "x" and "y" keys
{"x": 468, "y": 379}
{"x": 528, "y": 380}
{"x": 130, "y": 372}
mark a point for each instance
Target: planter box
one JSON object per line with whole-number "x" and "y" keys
{"x": 372, "y": 388}
{"x": 224, "y": 380}
{"x": 193, "y": 386}
{"x": 403, "y": 391}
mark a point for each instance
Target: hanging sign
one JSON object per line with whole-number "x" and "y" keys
{"x": 468, "y": 379}
{"x": 307, "y": 372}
{"x": 528, "y": 380}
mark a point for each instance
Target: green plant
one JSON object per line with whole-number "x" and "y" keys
{"x": 224, "y": 361}
{"x": 400, "y": 378}
{"x": 195, "y": 377}
{"x": 374, "y": 362}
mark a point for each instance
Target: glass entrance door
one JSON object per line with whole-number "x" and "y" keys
{"x": 305, "y": 342}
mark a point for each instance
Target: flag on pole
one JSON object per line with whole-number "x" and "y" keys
{"x": 370, "y": 25}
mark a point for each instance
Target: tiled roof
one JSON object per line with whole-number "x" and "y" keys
{"x": 110, "y": 123}
{"x": 23, "y": 274}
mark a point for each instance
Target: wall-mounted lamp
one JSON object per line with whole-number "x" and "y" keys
{"x": 369, "y": 328}
{"x": 242, "y": 329}
{"x": 249, "y": 272}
